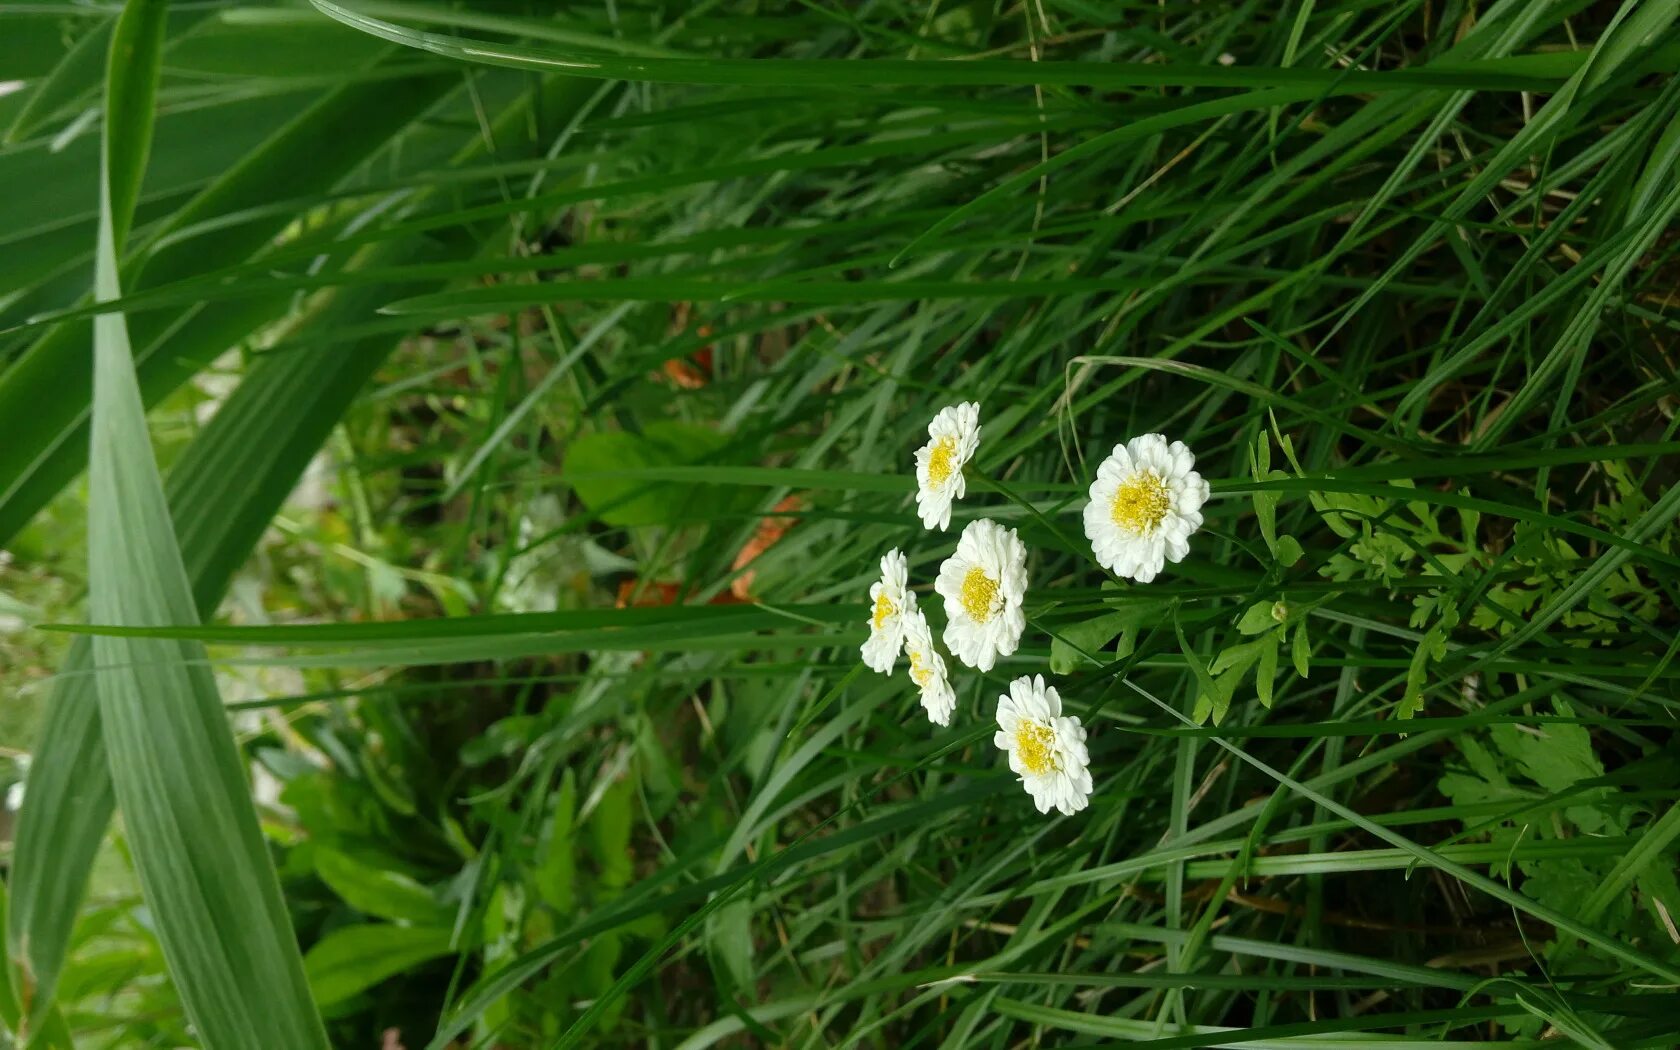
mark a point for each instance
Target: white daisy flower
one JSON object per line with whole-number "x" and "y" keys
{"x": 1146, "y": 502}
{"x": 1046, "y": 748}
{"x": 983, "y": 585}
{"x": 953, "y": 436}
{"x": 927, "y": 668}
{"x": 889, "y": 597}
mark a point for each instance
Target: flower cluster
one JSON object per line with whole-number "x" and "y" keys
{"x": 1144, "y": 505}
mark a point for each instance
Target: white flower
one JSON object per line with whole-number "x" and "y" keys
{"x": 1145, "y": 504}
{"x": 14, "y": 793}
{"x": 927, "y": 668}
{"x": 1046, "y": 748}
{"x": 983, "y": 585}
{"x": 953, "y": 436}
{"x": 888, "y": 599}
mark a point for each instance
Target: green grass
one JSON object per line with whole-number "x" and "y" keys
{"x": 570, "y": 307}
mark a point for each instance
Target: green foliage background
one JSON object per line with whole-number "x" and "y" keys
{"x": 534, "y": 388}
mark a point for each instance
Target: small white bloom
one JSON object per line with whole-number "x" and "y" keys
{"x": 888, "y": 599}
{"x": 927, "y": 668}
{"x": 1046, "y": 748}
{"x": 1145, "y": 504}
{"x": 953, "y": 436}
{"x": 14, "y": 793}
{"x": 983, "y": 585}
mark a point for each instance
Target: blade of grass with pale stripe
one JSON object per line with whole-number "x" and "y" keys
{"x": 180, "y": 785}
{"x": 265, "y": 435}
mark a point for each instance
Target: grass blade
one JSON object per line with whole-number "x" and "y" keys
{"x": 197, "y": 848}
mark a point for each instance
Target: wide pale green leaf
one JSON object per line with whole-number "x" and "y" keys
{"x": 47, "y": 387}
{"x": 598, "y": 458}
{"x": 377, "y": 892}
{"x": 265, "y": 434}
{"x": 355, "y": 958}
{"x": 73, "y": 78}
{"x": 192, "y": 830}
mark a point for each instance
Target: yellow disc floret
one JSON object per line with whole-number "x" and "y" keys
{"x": 883, "y": 609}
{"x": 979, "y": 595}
{"x": 1035, "y": 743}
{"x": 919, "y": 671}
{"x": 940, "y": 466}
{"x": 1141, "y": 503}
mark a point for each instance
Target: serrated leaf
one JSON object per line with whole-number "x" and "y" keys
{"x": 609, "y": 832}
{"x": 556, "y": 876}
{"x": 1558, "y": 758}
{"x": 1430, "y": 649}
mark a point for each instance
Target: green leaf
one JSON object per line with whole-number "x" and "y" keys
{"x": 1659, "y": 169}
{"x": 72, "y": 79}
{"x": 1237, "y": 659}
{"x": 200, "y": 857}
{"x": 1628, "y": 38}
{"x": 1068, "y": 648}
{"x": 1288, "y": 550}
{"x": 1266, "y": 671}
{"x": 1432, "y": 647}
{"x": 132, "y": 79}
{"x": 876, "y": 73}
{"x": 729, "y": 936}
{"x": 609, "y": 832}
{"x": 265, "y": 434}
{"x": 1300, "y": 650}
{"x": 352, "y": 959}
{"x": 377, "y": 892}
{"x": 1229, "y": 669}
{"x": 556, "y": 876}
{"x": 1557, "y": 758}
{"x": 49, "y": 384}
{"x": 1258, "y": 617}
{"x": 595, "y": 460}
{"x": 501, "y": 931}
{"x": 600, "y": 963}
{"x": 1091, "y": 635}
{"x": 1265, "y": 503}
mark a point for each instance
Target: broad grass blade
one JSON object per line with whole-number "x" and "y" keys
{"x": 197, "y": 848}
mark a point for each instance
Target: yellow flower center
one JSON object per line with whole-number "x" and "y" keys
{"x": 1034, "y": 742}
{"x": 920, "y": 673}
{"x": 883, "y": 609}
{"x": 940, "y": 467}
{"x": 1141, "y": 503}
{"x": 979, "y": 595}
